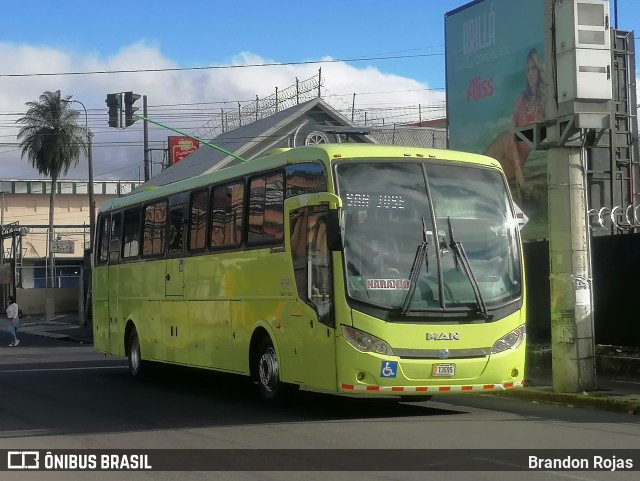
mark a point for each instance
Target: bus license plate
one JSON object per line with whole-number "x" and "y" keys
{"x": 443, "y": 370}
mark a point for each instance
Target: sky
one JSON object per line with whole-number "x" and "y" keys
{"x": 389, "y": 54}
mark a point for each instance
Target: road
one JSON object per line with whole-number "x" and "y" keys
{"x": 62, "y": 395}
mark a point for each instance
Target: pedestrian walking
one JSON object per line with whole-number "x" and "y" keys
{"x": 14, "y": 319}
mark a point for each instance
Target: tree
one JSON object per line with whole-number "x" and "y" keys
{"x": 52, "y": 141}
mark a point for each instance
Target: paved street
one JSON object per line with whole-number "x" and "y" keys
{"x": 59, "y": 394}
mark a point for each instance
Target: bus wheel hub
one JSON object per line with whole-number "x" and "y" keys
{"x": 268, "y": 369}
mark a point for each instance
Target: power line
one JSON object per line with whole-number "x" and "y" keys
{"x": 223, "y": 67}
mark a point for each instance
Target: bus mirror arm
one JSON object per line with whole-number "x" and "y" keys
{"x": 334, "y": 235}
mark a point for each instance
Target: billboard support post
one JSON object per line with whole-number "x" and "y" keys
{"x": 573, "y": 350}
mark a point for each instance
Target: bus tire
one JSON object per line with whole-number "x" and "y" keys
{"x": 270, "y": 387}
{"x": 415, "y": 399}
{"x": 137, "y": 367}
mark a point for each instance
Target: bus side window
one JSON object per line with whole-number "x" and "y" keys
{"x": 226, "y": 215}
{"x": 155, "y": 216}
{"x": 266, "y": 209}
{"x": 114, "y": 245}
{"x": 199, "y": 210}
{"x": 298, "y": 223}
{"x": 131, "y": 233}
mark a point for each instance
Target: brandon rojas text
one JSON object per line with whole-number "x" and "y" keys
{"x": 597, "y": 463}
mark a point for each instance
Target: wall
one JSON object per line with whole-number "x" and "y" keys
{"x": 32, "y": 301}
{"x": 616, "y": 263}
{"x": 33, "y": 209}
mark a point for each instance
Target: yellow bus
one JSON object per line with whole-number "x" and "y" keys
{"x": 349, "y": 268}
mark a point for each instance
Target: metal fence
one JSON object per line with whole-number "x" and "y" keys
{"x": 411, "y": 136}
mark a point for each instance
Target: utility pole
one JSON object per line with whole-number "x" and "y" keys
{"x": 92, "y": 204}
{"x": 575, "y": 104}
{"x": 2, "y": 292}
{"x": 147, "y": 161}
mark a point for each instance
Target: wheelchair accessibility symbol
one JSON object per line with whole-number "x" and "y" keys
{"x": 389, "y": 369}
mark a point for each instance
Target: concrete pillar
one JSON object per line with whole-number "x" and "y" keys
{"x": 49, "y": 307}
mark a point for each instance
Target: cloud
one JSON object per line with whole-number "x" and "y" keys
{"x": 119, "y": 153}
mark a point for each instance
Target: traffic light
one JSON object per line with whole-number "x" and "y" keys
{"x": 115, "y": 108}
{"x": 129, "y": 99}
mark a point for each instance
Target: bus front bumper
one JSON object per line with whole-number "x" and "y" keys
{"x": 422, "y": 390}
{"x": 369, "y": 373}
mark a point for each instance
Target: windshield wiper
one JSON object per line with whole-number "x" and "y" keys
{"x": 421, "y": 255}
{"x": 459, "y": 253}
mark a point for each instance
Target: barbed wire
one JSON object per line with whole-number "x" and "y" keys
{"x": 257, "y": 109}
{"x": 617, "y": 217}
{"x": 248, "y": 112}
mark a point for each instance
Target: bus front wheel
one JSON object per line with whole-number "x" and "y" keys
{"x": 137, "y": 367}
{"x": 268, "y": 374}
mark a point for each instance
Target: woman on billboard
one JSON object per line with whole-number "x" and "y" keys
{"x": 511, "y": 152}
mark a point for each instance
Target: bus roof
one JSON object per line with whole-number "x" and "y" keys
{"x": 325, "y": 153}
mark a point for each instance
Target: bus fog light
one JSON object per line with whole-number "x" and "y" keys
{"x": 366, "y": 342}
{"x": 360, "y": 376}
{"x": 509, "y": 341}
{"x": 514, "y": 373}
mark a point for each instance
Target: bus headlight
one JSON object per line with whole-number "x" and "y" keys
{"x": 366, "y": 342}
{"x": 510, "y": 341}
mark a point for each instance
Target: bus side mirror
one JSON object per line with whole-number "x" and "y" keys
{"x": 334, "y": 237}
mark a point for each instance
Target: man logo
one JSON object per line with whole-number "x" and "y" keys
{"x": 443, "y": 336}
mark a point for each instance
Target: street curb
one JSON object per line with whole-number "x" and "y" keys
{"x": 593, "y": 400}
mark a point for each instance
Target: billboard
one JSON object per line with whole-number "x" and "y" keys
{"x": 495, "y": 81}
{"x": 180, "y": 147}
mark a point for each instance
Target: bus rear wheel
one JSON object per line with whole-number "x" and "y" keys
{"x": 137, "y": 367}
{"x": 270, "y": 386}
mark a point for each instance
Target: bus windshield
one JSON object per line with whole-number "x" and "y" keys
{"x": 392, "y": 208}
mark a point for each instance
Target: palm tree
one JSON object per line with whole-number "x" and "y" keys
{"x": 52, "y": 141}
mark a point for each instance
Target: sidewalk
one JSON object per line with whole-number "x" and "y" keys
{"x": 64, "y": 326}
{"x": 613, "y": 393}
{"x": 617, "y": 380}
{"x": 617, "y": 369}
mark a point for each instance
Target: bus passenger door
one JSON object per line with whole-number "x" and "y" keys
{"x": 175, "y": 318}
{"x": 116, "y": 324}
{"x": 174, "y": 278}
{"x": 314, "y": 283}
{"x": 100, "y": 286}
